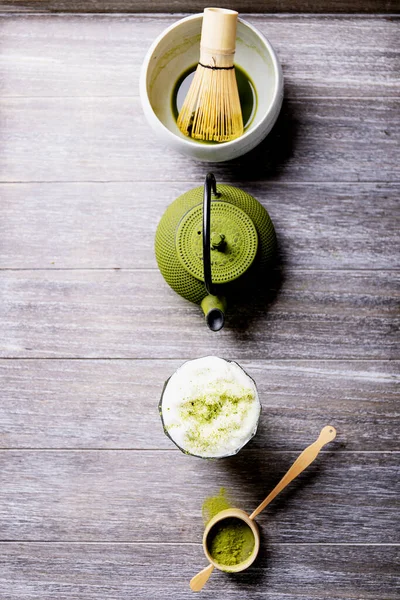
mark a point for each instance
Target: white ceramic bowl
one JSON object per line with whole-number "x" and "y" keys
{"x": 174, "y": 52}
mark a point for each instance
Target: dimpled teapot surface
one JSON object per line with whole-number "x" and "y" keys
{"x": 207, "y": 248}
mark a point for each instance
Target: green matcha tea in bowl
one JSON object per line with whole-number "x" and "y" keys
{"x": 210, "y": 407}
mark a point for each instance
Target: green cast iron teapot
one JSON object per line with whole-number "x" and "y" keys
{"x": 207, "y": 249}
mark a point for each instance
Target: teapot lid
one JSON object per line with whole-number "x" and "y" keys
{"x": 234, "y": 242}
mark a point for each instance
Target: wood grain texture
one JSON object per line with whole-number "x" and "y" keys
{"x": 156, "y": 496}
{"x": 155, "y": 6}
{"x": 105, "y": 53}
{"x": 107, "y": 139}
{"x": 85, "y": 467}
{"x": 134, "y": 314}
{"x": 112, "y": 572}
{"x": 109, "y": 225}
{"x": 114, "y": 404}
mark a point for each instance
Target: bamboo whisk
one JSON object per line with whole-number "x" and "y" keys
{"x": 211, "y": 110}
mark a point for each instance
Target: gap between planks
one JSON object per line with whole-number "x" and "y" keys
{"x": 102, "y": 449}
{"x": 305, "y": 183}
{"x": 150, "y": 270}
{"x": 183, "y": 358}
{"x": 144, "y": 543}
{"x": 135, "y": 96}
{"x": 168, "y": 16}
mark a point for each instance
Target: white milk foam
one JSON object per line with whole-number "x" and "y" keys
{"x": 210, "y": 407}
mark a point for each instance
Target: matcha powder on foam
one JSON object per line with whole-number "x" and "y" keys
{"x": 210, "y": 407}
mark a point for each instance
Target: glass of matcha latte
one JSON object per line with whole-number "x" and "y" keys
{"x": 210, "y": 407}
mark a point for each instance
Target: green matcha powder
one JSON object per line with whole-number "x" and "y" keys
{"x": 214, "y": 504}
{"x": 231, "y": 541}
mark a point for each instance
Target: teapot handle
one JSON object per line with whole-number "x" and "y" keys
{"x": 209, "y": 184}
{"x": 213, "y": 306}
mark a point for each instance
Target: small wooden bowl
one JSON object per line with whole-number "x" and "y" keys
{"x": 237, "y": 514}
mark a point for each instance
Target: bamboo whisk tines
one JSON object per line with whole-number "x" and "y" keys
{"x": 211, "y": 110}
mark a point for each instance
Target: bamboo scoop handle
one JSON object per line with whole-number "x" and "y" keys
{"x": 305, "y": 459}
{"x": 198, "y": 581}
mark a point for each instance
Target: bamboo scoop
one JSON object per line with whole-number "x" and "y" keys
{"x": 308, "y": 455}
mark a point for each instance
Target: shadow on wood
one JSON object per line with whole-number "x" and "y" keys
{"x": 252, "y": 302}
{"x": 304, "y": 480}
{"x": 257, "y": 574}
{"x": 262, "y": 482}
{"x": 269, "y": 157}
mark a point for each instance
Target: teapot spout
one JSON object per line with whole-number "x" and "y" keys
{"x": 214, "y": 310}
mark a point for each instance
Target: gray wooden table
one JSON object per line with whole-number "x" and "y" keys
{"x": 95, "y": 502}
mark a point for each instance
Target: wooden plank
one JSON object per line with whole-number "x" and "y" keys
{"x": 111, "y": 572}
{"x": 113, "y": 404}
{"x": 134, "y": 314}
{"x": 155, "y": 6}
{"x": 108, "y": 225}
{"x": 107, "y": 139}
{"x": 105, "y": 54}
{"x": 152, "y": 496}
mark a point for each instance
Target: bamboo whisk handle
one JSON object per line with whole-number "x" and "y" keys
{"x": 211, "y": 111}
{"x": 218, "y": 36}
